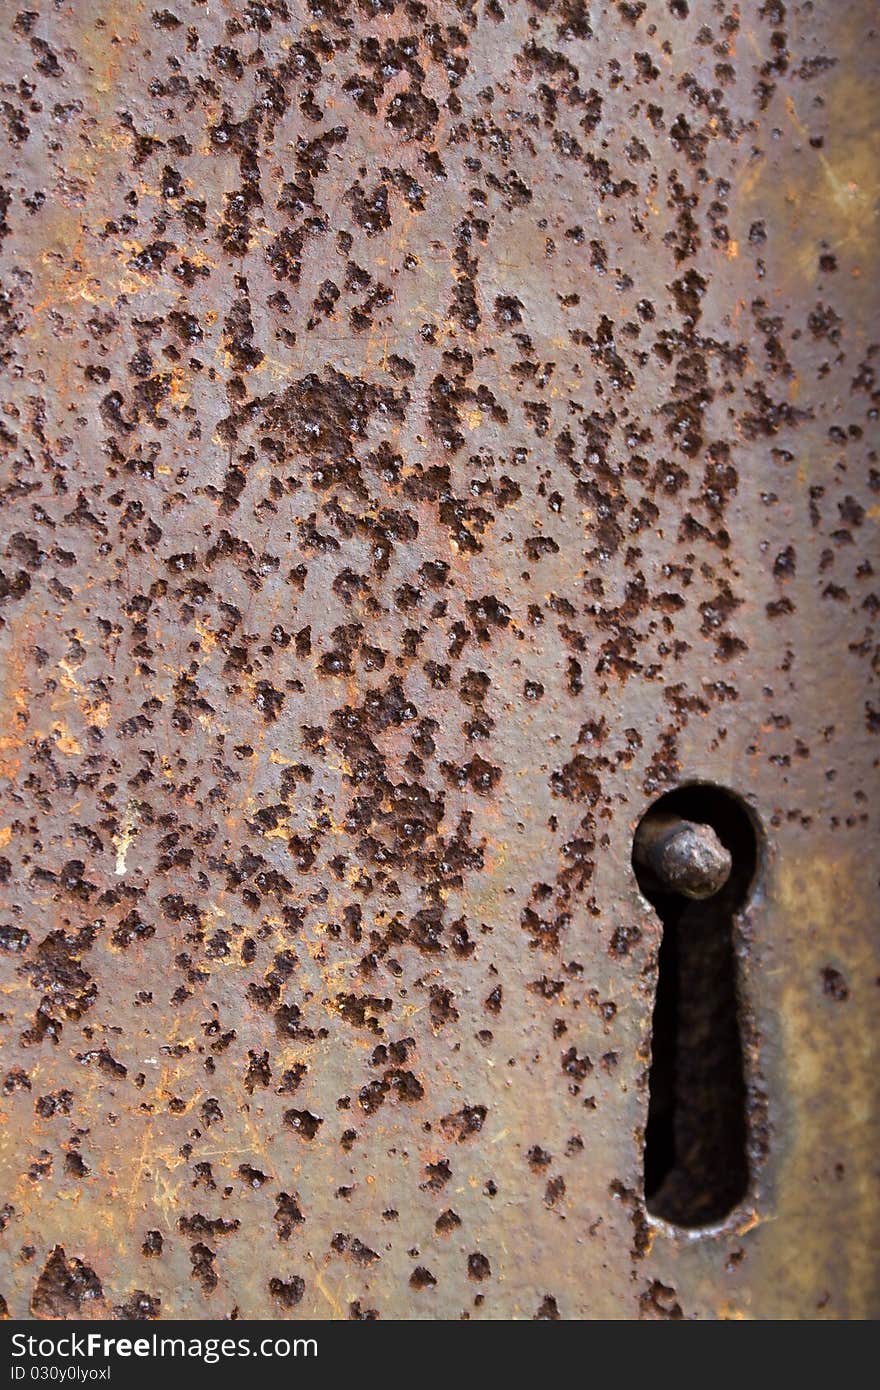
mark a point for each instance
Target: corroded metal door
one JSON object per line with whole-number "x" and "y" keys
{"x": 432, "y": 432}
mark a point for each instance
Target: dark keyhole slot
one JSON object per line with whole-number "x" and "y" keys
{"x": 696, "y": 1140}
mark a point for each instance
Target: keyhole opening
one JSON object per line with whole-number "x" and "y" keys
{"x": 696, "y": 1167}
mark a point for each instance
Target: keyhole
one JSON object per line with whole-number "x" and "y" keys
{"x": 695, "y": 856}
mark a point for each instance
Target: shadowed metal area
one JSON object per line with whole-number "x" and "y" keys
{"x": 431, "y": 432}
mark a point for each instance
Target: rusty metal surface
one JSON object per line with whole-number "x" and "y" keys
{"x": 431, "y": 431}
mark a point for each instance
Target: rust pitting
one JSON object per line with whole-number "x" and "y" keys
{"x": 431, "y": 432}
